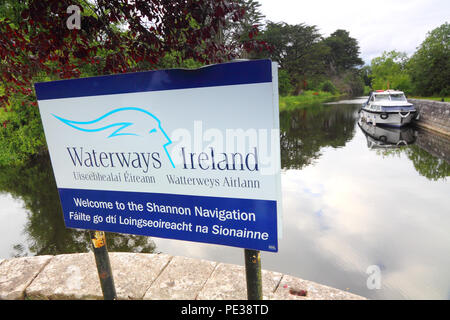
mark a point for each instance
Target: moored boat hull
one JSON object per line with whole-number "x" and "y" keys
{"x": 393, "y": 118}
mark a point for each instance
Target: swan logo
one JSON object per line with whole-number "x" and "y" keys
{"x": 131, "y": 121}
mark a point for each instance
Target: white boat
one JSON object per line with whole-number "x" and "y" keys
{"x": 388, "y": 107}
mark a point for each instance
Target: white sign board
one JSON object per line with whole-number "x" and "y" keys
{"x": 182, "y": 154}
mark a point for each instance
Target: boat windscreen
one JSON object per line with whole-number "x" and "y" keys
{"x": 382, "y": 97}
{"x": 398, "y": 97}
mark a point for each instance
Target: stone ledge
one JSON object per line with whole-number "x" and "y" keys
{"x": 228, "y": 283}
{"x": 74, "y": 276}
{"x": 17, "y": 274}
{"x": 183, "y": 278}
{"x": 146, "y": 276}
{"x": 290, "y": 285}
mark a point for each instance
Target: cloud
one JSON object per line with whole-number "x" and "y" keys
{"x": 399, "y": 25}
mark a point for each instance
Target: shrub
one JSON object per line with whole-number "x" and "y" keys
{"x": 328, "y": 86}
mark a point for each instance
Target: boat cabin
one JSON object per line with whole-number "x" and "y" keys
{"x": 386, "y": 95}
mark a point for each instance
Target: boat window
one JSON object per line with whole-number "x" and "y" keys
{"x": 398, "y": 97}
{"x": 382, "y": 97}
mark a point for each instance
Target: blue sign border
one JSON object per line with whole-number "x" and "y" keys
{"x": 242, "y": 72}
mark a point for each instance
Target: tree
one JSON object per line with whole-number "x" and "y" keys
{"x": 284, "y": 83}
{"x": 366, "y": 74}
{"x": 429, "y": 67}
{"x": 116, "y": 36}
{"x": 36, "y": 38}
{"x": 344, "y": 51}
{"x": 297, "y": 48}
{"x": 389, "y": 72}
{"x": 244, "y": 30}
{"x": 310, "y": 60}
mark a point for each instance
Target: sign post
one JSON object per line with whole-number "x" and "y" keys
{"x": 189, "y": 155}
{"x": 105, "y": 274}
{"x": 253, "y": 274}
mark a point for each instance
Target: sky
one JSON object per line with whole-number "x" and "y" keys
{"x": 381, "y": 25}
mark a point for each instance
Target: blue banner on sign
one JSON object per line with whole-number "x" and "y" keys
{"x": 227, "y": 221}
{"x": 225, "y": 74}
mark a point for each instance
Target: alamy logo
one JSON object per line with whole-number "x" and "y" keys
{"x": 130, "y": 121}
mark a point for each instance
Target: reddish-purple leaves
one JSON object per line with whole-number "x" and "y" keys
{"x": 115, "y": 36}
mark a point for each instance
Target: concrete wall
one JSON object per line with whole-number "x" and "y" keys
{"x": 434, "y": 115}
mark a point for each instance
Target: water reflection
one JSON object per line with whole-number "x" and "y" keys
{"x": 359, "y": 206}
{"x": 386, "y": 137}
{"x": 305, "y": 131}
{"x": 34, "y": 184}
{"x": 429, "y": 153}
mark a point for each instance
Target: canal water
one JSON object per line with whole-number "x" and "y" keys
{"x": 365, "y": 209}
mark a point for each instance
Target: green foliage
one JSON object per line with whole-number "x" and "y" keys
{"x": 305, "y": 99}
{"x": 307, "y": 60}
{"x": 239, "y": 30}
{"x": 389, "y": 72}
{"x": 343, "y": 61}
{"x": 367, "y": 90}
{"x": 306, "y": 131}
{"x": 174, "y": 60}
{"x": 284, "y": 83}
{"x": 328, "y": 86}
{"x": 115, "y": 37}
{"x": 298, "y": 49}
{"x": 354, "y": 82}
{"x": 366, "y": 75}
{"x": 348, "y": 82}
{"x": 429, "y": 67}
{"x": 344, "y": 51}
{"x": 310, "y": 60}
{"x": 427, "y": 165}
{"x": 21, "y": 134}
{"x": 11, "y": 10}
{"x": 426, "y": 73}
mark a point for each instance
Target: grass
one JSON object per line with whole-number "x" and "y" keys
{"x": 446, "y": 99}
{"x": 306, "y": 98}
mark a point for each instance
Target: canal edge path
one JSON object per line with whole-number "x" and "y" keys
{"x": 142, "y": 276}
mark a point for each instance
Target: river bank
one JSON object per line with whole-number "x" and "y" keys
{"x": 307, "y": 98}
